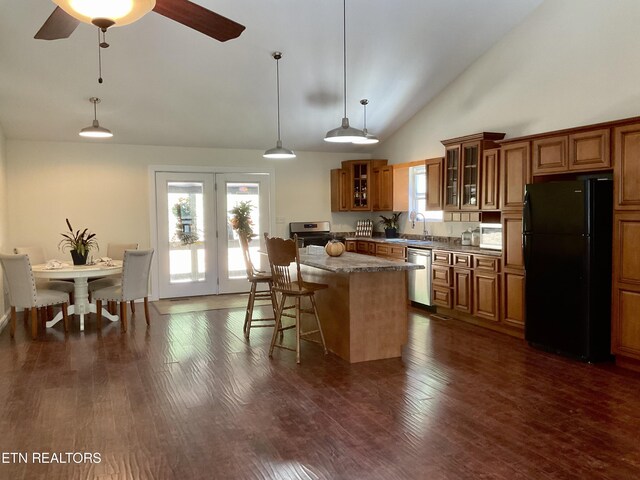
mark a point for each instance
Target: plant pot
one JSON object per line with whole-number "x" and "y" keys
{"x": 79, "y": 259}
{"x": 391, "y": 232}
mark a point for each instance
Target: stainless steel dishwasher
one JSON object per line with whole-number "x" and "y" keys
{"x": 420, "y": 280}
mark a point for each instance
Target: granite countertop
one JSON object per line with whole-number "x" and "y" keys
{"x": 431, "y": 245}
{"x": 354, "y": 262}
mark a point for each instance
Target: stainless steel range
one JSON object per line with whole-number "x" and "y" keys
{"x": 312, "y": 233}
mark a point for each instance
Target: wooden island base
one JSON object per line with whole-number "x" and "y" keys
{"x": 363, "y": 314}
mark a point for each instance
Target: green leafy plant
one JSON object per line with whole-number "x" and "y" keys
{"x": 241, "y": 219}
{"x": 391, "y": 222}
{"x": 186, "y": 230}
{"x": 82, "y": 241}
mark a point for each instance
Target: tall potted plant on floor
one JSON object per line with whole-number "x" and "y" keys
{"x": 79, "y": 243}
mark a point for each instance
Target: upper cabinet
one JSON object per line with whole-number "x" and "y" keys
{"x": 626, "y": 150}
{"x": 400, "y": 188}
{"x": 463, "y": 170}
{"x": 434, "y": 174}
{"x": 362, "y": 185}
{"x": 515, "y": 173}
{"x": 581, "y": 151}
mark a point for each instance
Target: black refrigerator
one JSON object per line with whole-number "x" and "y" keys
{"x": 567, "y": 229}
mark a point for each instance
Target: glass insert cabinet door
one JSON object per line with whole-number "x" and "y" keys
{"x": 470, "y": 166}
{"x": 186, "y": 234}
{"x": 452, "y": 174}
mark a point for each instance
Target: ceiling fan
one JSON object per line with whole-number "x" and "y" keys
{"x": 106, "y": 13}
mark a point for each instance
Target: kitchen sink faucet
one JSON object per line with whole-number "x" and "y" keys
{"x": 414, "y": 216}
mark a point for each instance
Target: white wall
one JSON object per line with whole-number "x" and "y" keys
{"x": 104, "y": 187}
{"x": 570, "y": 63}
{"x": 3, "y": 216}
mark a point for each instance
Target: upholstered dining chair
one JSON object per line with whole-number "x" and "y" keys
{"x": 135, "y": 284}
{"x": 255, "y": 278}
{"x": 283, "y": 254}
{"x": 115, "y": 251}
{"x": 24, "y": 294}
{"x": 36, "y": 257}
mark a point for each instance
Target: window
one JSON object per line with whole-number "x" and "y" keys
{"x": 418, "y": 193}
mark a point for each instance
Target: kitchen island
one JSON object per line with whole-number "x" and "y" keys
{"x": 364, "y": 311}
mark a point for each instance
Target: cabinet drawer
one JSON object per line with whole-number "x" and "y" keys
{"x": 441, "y": 296}
{"x": 441, "y": 276}
{"x": 462, "y": 260}
{"x": 486, "y": 264}
{"x": 387, "y": 250}
{"x": 441, "y": 258}
{"x": 362, "y": 247}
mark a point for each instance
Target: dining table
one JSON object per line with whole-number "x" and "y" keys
{"x": 80, "y": 274}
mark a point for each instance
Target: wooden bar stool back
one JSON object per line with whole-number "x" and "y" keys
{"x": 282, "y": 255}
{"x": 256, "y": 277}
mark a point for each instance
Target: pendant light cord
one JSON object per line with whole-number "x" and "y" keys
{"x": 344, "y": 52}
{"x": 99, "y": 59}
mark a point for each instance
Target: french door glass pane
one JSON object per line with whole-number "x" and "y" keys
{"x": 242, "y": 192}
{"x": 185, "y": 202}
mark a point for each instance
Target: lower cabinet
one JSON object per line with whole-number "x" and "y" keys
{"x": 462, "y": 290}
{"x": 379, "y": 249}
{"x": 513, "y": 300}
{"x": 486, "y": 295}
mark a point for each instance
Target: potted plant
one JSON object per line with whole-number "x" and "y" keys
{"x": 391, "y": 224}
{"x": 79, "y": 244}
{"x": 241, "y": 219}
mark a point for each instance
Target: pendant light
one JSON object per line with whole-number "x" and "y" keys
{"x": 344, "y": 133}
{"x": 279, "y": 151}
{"x": 369, "y": 139}
{"x": 95, "y": 130}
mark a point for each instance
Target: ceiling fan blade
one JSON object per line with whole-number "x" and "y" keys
{"x": 59, "y": 25}
{"x": 199, "y": 18}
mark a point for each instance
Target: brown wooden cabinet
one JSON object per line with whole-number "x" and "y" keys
{"x": 351, "y": 246}
{"x": 581, "y": 151}
{"x": 626, "y": 171}
{"x": 486, "y": 288}
{"x": 400, "y": 188}
{"x": 515, "y": 173}
{"x": 434, "y": 169}
{"x": 451, "y": 178}
{"x": 340, "y": 192}
{"x": 462, "y": 296}
{"x": 382, "y": 193}
{"x": 512, "y": 256}
{"x": 513, "y": 310}
{"x": 391, "y": 251}
{"x": 490, "y": 179}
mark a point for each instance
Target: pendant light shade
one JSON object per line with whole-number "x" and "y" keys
{"x": 368, "y": 139}
{"x": 344, "y": 133}
{"x": 95, "y": 130}
{"x": 279, "y": 151}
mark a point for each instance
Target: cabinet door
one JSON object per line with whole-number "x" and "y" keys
{"x": 550, "y": 155}
{"x": 434, "y": 183}
{"x": 470, "y": 176}
{"x": 382, "y": 194}
{"x": 486, "y": 295}
{"x": 340, "y": 195}
{"x": 362, "y": 246}
{"x": 512, "y": 257}
{"x": 400, "y": 189}
{"x": 462, "y": 290}
{"x": 441, "y": 296}
{"x": 360, "y": 177}
{"x": 513, "y": 300}
{"x": 351, "y": 246}
{"x": 515, "y": 173}
{"x": 452, "y": 178}
{"x": 590, "y": 150}
{"x": 626, "y": 167}
{"x": 489, "y": 179}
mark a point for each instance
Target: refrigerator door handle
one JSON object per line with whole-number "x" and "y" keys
{"x": 526, "y": 250}
{"x": 526, "y": 213}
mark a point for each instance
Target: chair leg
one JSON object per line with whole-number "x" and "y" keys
{"x": 26, "y": 314}
{"x": 111, "y": 307}
{"x": 34, "y": 322}
{"x": 248, "y": 316}
{"x": 278, "y": 325}
{"x": 298, "y": 330}
{"x": 13, "y": 321}
{"x": 99, "y": 313}
{"x": 315, "y": 312}
{"x": 123, "y": 316}
{"x": 146, "y": 311}
{"x": 133, "y": 306}
{"x": 72, "y": 299}
{"x": 65, "y": 317}
{"x": 49, "y": 312}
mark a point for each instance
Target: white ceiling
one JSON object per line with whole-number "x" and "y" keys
{"x": 165, "y": 84}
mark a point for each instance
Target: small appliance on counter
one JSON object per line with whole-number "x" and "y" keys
{"x": 475, "y": 237}
{"x": 491, "y": 236}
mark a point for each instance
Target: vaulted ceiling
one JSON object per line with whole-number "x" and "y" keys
{"x": 165, "y": 84}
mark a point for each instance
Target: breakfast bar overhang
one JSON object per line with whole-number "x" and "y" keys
{"x": 364, "y": 311}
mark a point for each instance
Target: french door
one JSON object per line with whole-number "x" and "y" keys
{"x": 186, "y": 210}
{"x": 198, "y": 251}
{"x": 232, "y": 189}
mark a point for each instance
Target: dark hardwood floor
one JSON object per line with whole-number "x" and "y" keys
{"x": 189, "y": 398}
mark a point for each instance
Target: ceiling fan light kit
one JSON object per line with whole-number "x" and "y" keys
{"x": 344, "y": 133}
{"x": 279, "y": 151}
{"x": 120, "y": 12}
{"x": 95, "y": 130}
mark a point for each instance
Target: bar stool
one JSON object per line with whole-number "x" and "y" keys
{"x": 256, "y": 277}
{"x": 282, "y": 253}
